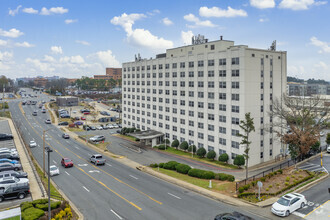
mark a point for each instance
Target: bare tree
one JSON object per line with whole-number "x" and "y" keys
{"x": 297, "y": 121}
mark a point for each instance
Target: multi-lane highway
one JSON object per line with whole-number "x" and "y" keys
{"x": 112, "y": 191}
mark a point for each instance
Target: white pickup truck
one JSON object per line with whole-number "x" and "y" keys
{"x": 97, "y": 159}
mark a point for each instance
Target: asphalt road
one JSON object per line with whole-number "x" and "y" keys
{"x": 113, "y": 191}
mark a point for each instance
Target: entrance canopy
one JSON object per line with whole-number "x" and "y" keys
{"x": 146, "y": 135}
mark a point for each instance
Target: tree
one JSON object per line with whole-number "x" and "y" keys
{"x": 192, "y": 148}
{"x": 201, "y": 152}
{"x": 184, "y": 145}
{"x": 328, "y": 139}
{"x": 302, "y": 117}
{"x": 239, "y": 160}
{"x": 247, "y": 126}
{"x": 175, "y": 143}
{"x": 293, "y": 151}
{"x": 316, "y": 147}
{"x": 211, "y": 155}
{"x": 224, "y": 157}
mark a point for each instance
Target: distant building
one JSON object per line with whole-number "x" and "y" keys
{"x": 304, "y": 89}
{"x": 40, "y": 82}
{"x": 70, "y": 81}
{"x": 67, "y": 101}
{"x": 110, "y": 73}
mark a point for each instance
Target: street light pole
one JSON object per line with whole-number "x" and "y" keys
{"x": 43, "y": 150}
{"x": 49, "y": 209}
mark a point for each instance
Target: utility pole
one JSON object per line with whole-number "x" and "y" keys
{"x": 43, "y": 150}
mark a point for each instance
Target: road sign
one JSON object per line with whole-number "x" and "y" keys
{"x": 259, "y": 187}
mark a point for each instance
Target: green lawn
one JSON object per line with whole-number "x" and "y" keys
{"x": 205, "y": 160}
{"x": 75, "y": 129}
{"x": 217, "y": 186}
{"x": 5, "y": 114}
{"x": 130, "y": 138}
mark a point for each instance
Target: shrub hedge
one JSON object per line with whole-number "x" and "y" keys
{"x": 203, "y": 174}
{"x": 161, "y": 147}
{"x": 153, "y": 165}
{"x": 182, "y": 168}
{"x": 170, "y": 165}
{"x": 161, "y": 165}
{"x": 32, "y": 213}
{"x": 25, "y": 205}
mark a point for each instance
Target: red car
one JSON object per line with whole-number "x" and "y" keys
{"x": 83, "y": 118}
{"x": 66, "y": 162}
{"x": 86, "y": 113}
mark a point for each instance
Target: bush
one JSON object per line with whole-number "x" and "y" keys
{"x": 53, "y": 205}
{"x": 263, "y": 179}
{"x": 39, "y": 201}
{"x": 203, "y": 174}
{"x": 32, "y": 213}
{"x": 161, "y": 147}
{"x": 231, "y": 178}
{"x": 182, "y": 168}
{"x": 184, "y": 145}
{"x": 239, "y": 160}
{"x": 280, "y": 171}
{"x": 224, "y": 158}
{"x": 223, "y": 176}
{"x": 286, "y": 183}
{"x": 208, "y": 175}
{"x": 167, "y": 141}
{"x": 170, "y": 165}
{"x": 25, "y": 205}
{"x": 201, "y": 152}
{"x": 287, "y": 179}
{"x": 192, "y": 147}
{"x": 267, "y": 189}
{"x": 175, "y": 144}
{"x": 154, "y": 165}
{"x": 161, "y": 165}
{"x": 211, "y": 155}
{"x": 270, "y": 186}
{"x": 241, "y": 189}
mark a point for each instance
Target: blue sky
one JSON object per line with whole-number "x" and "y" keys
{"x": 75, "y": 38}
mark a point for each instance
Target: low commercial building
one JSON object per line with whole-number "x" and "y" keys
{"x": 67, "y": 101}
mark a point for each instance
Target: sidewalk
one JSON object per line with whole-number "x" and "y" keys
{"x": 35, "y": 188}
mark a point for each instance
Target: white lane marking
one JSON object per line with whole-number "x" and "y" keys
{"x": 116, "y": 214}
{"x": 86, "y": 189}
{"x": 308, "y": 166}
{"x": 174, "y": 195}
{"x": 134, "y": 177}
{"x": 82, "y": 165}
{"x": 94, "y": 171}
{"x": 54, "y": 161}
{"x": 76, "y": 147}
{"x": 299, "y": 214}
{"x": 109, "y": 164}
{"x": 316, "y": 169}
{"x": 67, "y": 173}
{"x": 310, "y": 203}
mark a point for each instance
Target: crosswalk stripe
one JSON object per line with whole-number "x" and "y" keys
{"x": 309, "y": 166}
{"x": 299, "y": 214}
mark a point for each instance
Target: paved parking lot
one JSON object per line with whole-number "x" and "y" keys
{"x": 312, "y": 166}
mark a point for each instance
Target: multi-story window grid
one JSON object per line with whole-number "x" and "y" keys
{"x": 222, "y": 73}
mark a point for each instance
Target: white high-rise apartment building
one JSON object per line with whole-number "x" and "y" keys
{"x": 199, "y": 93}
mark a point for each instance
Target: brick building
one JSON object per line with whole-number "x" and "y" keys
{"x": 110, "y": 73}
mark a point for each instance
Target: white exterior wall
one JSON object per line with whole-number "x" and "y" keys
{"x": 249, "y": 96}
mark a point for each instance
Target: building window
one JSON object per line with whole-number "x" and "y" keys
{"x": 222, "y": 130}
{"x": 262, "y": 108}
{"x": 261, "y": 85}
{"x": 200, "y": 125}
{"x": 234, "y": 132}
{"x": 200, "y": 63}
{"x": 182, "y": 65}
{"x": 191, "y": 83}
{"x": 235, "y": 108}
{"x": 191, "y": 93}
{"x": 174, "y": 65}
{"x": 235, "y": 85}
{"x": 191, "y": 133}
{"x": 200, "y": 94}
{"x": 210, "y": 127}
{"x": 210, "y": 84}
{"x": 235, "y": 121}
{"x": 222, "y": 85}
{"x": 200, "y": 115}
{"x": 235, "y": 61}
{"x": 212, "y": 47}
{"x": 235, "y": 97}
{"x": 211, "y": 73}
{"x": 191, "y": 74}
{"x": 200, "y": 135}
{"x": 235, "y": 144}
{"x": 210, "y": 138}
{"x": 200, "y": 84}
{"x": 210, "y": 62}
{"x": 200, "y": 104}
{"x": 211, "y": 117}
{"x": 200, "y": 73}
{"x": 222, "y": 141}
{"x": 222, "y": 62}
{"x": 222, "y": 107}
{"x": 261, "y": 155}
{"x": 235, "y": 73}
{"x": 191, "y": 113}
{"x": 182, "y": 74}
{"x": 191, "y": 64}
{"x": 222, "y": 118}
{"x": 222, "y": 96}
{"x": 261, "y": 143}
{"x": 262, "y": 97}
{"x": 262, "y": 61}
{"x": 211, "y": 95}
{"x": 262, "y": 73}
{"x": 222, "y": 73}
{"x": 271, "y": 152}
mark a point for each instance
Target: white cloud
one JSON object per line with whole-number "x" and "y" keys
{"x": 70, "y": 21}
{"x": 262, "y": 4}
{"x": 83, "y": 42}
{"x": 56, "y": 49}
{"x": 49, "y": 59}
{"x": 324, "y": 46}
{"x": 3, "y": 43}
{"x": 38, "y": 64}
{"x": 197, "y": 22}
{"x": 139, "y": 37}
{"x": 322, "y": 65}
{"x": 218, "y": 12}
{"x": 51, "y": 11}
{"x": 295, "y": 70}
{"x": 167, "y": 21}
{"x": 6, "y": 56}
{"x": 13, "y": 33}
{"x": 14, "y": 11}
{"x": 186, "y": 37}
{"x": 24, "y": 44}
{"x": 73, "y": 59}
{"x": 263, "y": 20}
{"x": 299, "y": 4}
{"x": 30, "y": 11}
{"x": 153, "y": 12}
{"x": 107, "y": 58}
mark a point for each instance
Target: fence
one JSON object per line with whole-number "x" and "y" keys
{"x": 58, "y": 197}
{"x": 263, "y": 173}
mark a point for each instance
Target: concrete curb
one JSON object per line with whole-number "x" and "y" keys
{"x": 309, "y": 185}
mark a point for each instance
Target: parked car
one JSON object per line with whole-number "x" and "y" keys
{"x": 48, "y": 121}
{"x": 97, "y": 138}
{"x": 99, "y": 127}
{"x": 232, "y": 216}
{"x": 76, "y": 118}
{"x": 115, "y": 126}
{"x": 33, "y": 144}
{"x": 19, "y": 192}
{"x": 17, "y": 174}
{"x": 65, "y": 136}
{"x": 66, "y": 162}
{"x": 78, "y": 123}
{"x": 11, "y": 150}
{"x": 84, "y": 110}
{"x": 6, "y": 160}
{"x": 63, "y": 123}
{"x": 328, "y": 149}
{"x": 97, "y": 159}
{"x": 7, "y": 155}
{"x": 10, "y": 166}
{"x": 86, "y": 127}
{"x": 110, "y": 126}
{"x": 53, "y": 170}
{"x": 35, "y": 113}
{"x": 86, "y": 113}
{"x": 288, "y": 204}
{"x": 4, "y": 137}
{"x": 82, "y": 118}
{"x": 43, "y": 110}
{"x": 13, "y": 182}
{"x": 92, "y": 127}
{"x": 65, "y": 116}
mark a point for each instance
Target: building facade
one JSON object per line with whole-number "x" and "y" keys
{"x": 199, "y": 93}
{"x": 67, "y": 101}
{"x": 110, "y": 73}
{"x": 304, "y": 89}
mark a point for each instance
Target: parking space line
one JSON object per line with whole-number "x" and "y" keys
{"x": 134, "y": 177}
{"x": 298, "y": 214}
{"x": 316, "y": 209}
{"x": 174, "y": 196}
{"x": 86, "y": 189}
{"x": 116, "y": 214}
{"x": 67, "y": 173}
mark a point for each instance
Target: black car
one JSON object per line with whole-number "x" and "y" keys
{"x": 232, "y": 216}
{"x": 9, "y": 156}
{"x": 63, "y": 123}
{"x": 6, "y": 137}
{"x": 86, "y": 127}
{"x": 14, "y": 192}
{"x": 17, "y": 174}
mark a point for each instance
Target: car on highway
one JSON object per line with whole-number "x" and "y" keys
{"x": 97, "y": 138}
{"x": 6, "y": 160}
{"x": 17, "y": 174}
{"x": 13, "y": 182}
{"x": 63, "y": 123}
{"x": 288, "y": 203}
{"x": 35, "y": 113}
{"x": 232, "y": 216}
{"x": 53, "y": 170}
{"x": 32, "y": 144}
{"x": 19, "y": 192}
{"x": 97, "y": 159}
{"x": 66, "y": 162}
{"x": 65, "y": 136}
{"x": 82, "y": 118}
{"x": 48, "y": 121}
{"x": 10, "y": 166}
{"x": 43, "y": 110}
{"x": 4, "y": 137}
{"x": 328, "y": 149}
